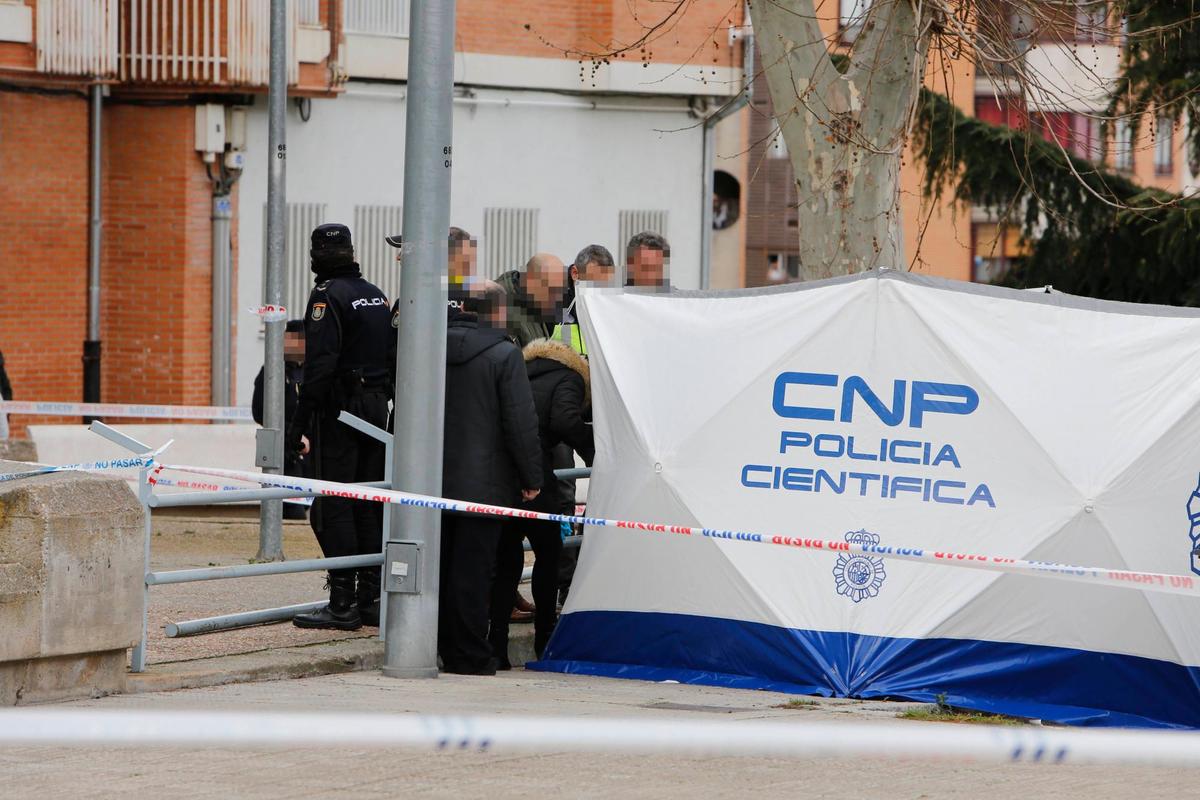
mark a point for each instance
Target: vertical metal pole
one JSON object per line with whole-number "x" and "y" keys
{"x": 137, "y": 659}
{"x": 222, "y": 293}
{"x": 270, "y": 450}
{"x": 411, "y": 635}
{"x": 387, "y": 531}
{"x": 708, "y": 143}
{"x": 91, "y": 346}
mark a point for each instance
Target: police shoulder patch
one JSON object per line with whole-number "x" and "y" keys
{"x": 396, "y": 318}
{"x": 318, "y": 311}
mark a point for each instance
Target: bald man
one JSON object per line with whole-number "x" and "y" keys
{"x": 535, "y": 297}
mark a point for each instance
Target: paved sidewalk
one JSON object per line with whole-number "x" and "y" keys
{"x": 310, "y": 772}
{"x": 225, "y": 535}
{"x": 222, "y": 536}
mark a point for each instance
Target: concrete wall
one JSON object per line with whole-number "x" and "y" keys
{"x": 71, "y": 560}
{"x": 578, "y": 166}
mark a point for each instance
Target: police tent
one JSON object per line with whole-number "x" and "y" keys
{"x": 905, "y": 413}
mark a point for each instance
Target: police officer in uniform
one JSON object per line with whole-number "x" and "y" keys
{"x": 347, "y": 329}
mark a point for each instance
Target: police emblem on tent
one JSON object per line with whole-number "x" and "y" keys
{"x": 858, "y": 576}
{"x": 1193, "y": 512}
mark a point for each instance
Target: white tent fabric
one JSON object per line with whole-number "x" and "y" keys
{"x": 909, "y": 411}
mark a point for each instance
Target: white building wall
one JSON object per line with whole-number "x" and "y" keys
{"x": 578, "y": 165}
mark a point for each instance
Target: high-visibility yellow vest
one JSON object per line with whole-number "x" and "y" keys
{"x": 572, "y": 336}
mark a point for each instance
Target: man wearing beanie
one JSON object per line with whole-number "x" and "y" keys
{"x": 347, "y": 327}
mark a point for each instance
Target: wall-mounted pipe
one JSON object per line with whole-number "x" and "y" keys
{"x": 706, "y": 157}
{"x": 91, "y": 345}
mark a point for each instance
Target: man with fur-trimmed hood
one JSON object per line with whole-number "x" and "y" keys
{"x": 562, "y": 395}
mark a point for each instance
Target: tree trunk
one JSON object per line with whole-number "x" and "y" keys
{"x": 845, "y": 133}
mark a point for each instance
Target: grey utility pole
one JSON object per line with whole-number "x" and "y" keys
{"x": 412, "y": 605}
{"x": 270, "y": 438}
{"x": 91, "y": 345}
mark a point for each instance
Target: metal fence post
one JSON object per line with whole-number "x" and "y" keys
{"x": 379, "y": 434}
{"x": 270, "y": 443}
{"x": 137, "y": 659}
{"x": 387, "y": 532}
{"x": 410, "y": 649}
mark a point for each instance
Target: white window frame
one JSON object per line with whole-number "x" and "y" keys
{"x": 1123, "y": 145}
{"x": 851, "y": 15}
{"x": 1164, "y": 146}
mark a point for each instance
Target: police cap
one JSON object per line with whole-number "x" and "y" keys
{"x": 332, "y": 236}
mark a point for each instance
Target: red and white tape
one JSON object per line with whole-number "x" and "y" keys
{"x": 270, "y": 313}
{"x": 52, "y": 409}
{"x": 209, "y": 486}
{"x": 1123, "y": 578}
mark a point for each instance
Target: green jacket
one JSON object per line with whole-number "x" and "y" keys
{"x": 524, "y": 323}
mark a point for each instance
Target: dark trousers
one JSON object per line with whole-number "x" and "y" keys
{"x": 342, "y": 454}
{"x": 546, "y": 542}
{"x": 468, "y": 562}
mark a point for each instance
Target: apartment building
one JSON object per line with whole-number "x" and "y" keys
{"x": 1075, "y": 65}
{"x": 152, "y": 114}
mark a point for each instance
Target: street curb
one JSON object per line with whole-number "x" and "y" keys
{"x": 307, "y": 661}
{"x": 304, "y": 661}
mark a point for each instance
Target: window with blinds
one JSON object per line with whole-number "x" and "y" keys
{"x": 300, "y": 219}
{"x": 376, "y": 257}
{"x": 631, "y": 222}
{"x": 510, "y": 238}
{"x": 377, "y": 17}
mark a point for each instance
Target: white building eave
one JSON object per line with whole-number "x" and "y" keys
{"x": 386, "y": 58}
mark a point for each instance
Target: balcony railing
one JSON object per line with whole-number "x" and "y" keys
{"x": 78, "y": 37}
{"x": 221, "y": 42}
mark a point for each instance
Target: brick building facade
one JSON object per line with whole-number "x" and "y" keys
{"x": 156, "y": 242}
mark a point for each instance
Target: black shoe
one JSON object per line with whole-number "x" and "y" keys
{"x": 368, "y": 596}
{"x": 540, "y": 640}
{"x": 465, "y": 669}
{"x": 342, "y": 612}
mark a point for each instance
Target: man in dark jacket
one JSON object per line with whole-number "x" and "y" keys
{"x": 293, "y": 374}
{"x": 491, "y": 455}
{"x": 535, "y": 297}
{"x": 561, "y": 393}
{"x": 347, "y": 328}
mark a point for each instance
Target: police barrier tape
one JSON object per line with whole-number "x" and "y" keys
{"x": 51, "y": 409}
{"x": 1128, "y": 579}
{"x": 805, "y": 740}
{"x": 89, "y": 466}
{"x": 269, "y": 313}
{"x": 206, "y": 486}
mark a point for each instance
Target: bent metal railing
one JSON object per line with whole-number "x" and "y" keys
{"x": 150, "y": 500}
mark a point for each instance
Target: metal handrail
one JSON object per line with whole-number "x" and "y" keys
{"x": 150, "y": 500}
{"x": 269, "y": 568}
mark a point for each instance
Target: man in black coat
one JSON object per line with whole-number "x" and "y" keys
{"x": 293, "y": 375}
{"x": 347, "y": 328}
{"x": 561, "y": 393}
{"x": 491, "y": 455}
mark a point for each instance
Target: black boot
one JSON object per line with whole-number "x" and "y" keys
{"x": 368, "y": 596}
{"x": 540, "y": 640}
{"x": 342, "y": 612}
